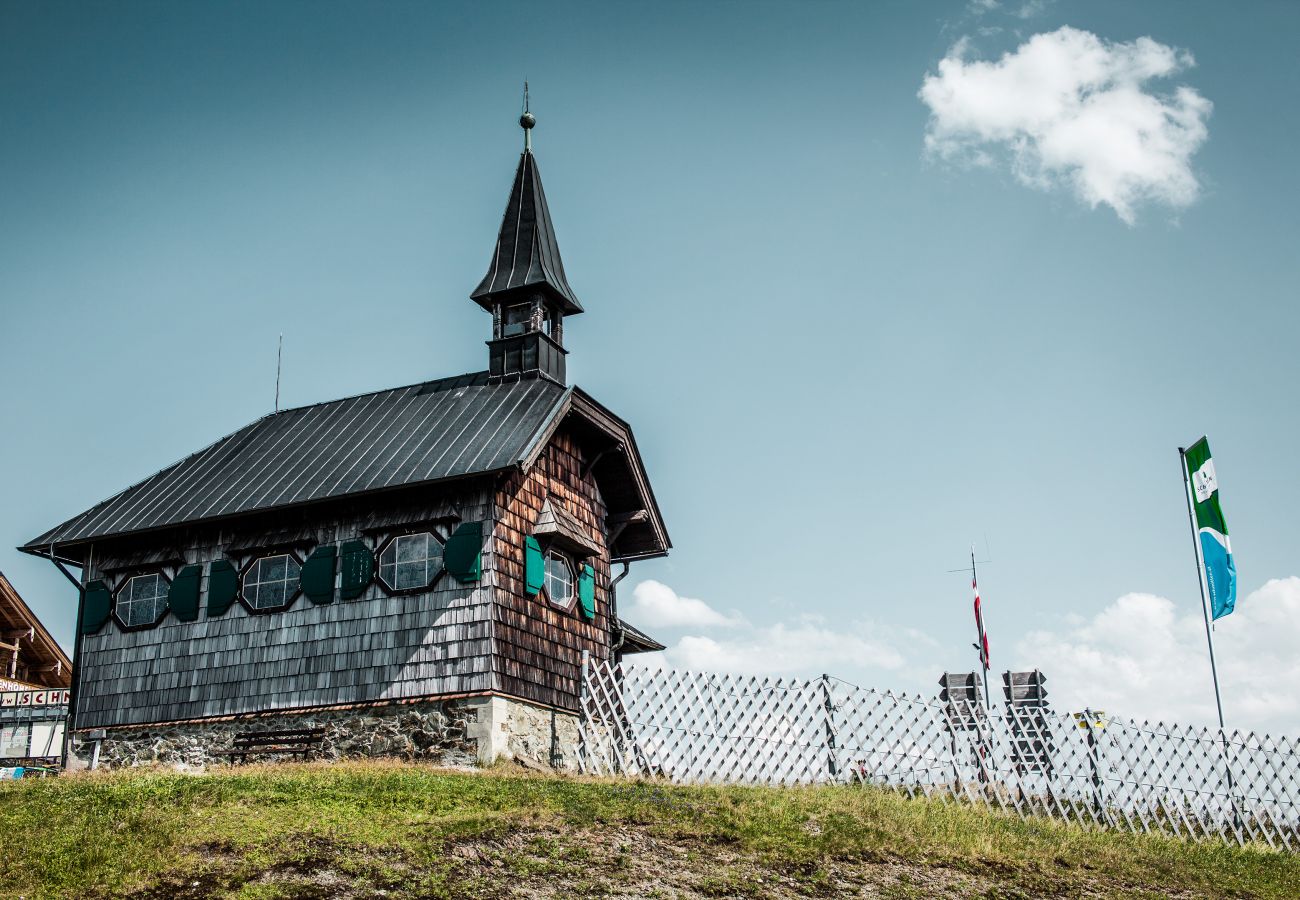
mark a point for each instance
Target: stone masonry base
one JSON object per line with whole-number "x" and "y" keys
{"x": 451, "y": 732}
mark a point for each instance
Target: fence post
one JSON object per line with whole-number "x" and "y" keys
{"x": 832, "y": 762}
{"x": 584, "y": 718}
{"x": 1094, "y": 764}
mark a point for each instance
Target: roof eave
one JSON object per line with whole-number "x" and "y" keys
{"x": 42, "y": 549}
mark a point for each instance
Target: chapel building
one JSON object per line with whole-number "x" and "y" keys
{"x": 420, "y": 571}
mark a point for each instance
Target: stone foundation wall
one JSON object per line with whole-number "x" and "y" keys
{"x": 450, "y": 732}
{"x": 542, "y": 735}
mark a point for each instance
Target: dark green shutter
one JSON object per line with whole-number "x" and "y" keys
{"x": 183, "y": 595}
{"x": 223, "y": 585}
{"x": 317, "y": 578}
{"x": 463, "y": 554}
{"x": 356, "y": 568}
{"x": 95, "y": 607}
{"x": 587, "y": 592}
{"x": 534, "y": 566}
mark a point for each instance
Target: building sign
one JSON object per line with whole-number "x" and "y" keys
{"x": 52, "y": 697}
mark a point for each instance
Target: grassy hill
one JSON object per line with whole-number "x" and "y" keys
{"x": 391, "y": 830}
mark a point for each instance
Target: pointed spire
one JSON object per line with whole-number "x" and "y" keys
{"x": 527, "y": 253}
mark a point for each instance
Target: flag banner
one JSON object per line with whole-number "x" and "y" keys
{"x": 1216, "y": 549}
{"x": 983, "y": 645}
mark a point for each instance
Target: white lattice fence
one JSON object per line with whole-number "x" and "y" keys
{"x": 701, "y": 727}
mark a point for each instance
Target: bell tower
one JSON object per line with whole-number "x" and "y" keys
{"x": 525, "y": 288}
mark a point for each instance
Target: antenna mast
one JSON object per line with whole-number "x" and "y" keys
{"x": 279, "y": 355}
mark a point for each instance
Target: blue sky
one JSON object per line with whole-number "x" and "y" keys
{"x": 846, "y": 355}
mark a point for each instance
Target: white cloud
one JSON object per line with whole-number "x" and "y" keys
{"x": 1067, "y": 108}
{"x": 1031, "y": 8}
{"x": 804, "y": 647}
{"x": 656, "y": 605}
{"x": 1143, "y": 657}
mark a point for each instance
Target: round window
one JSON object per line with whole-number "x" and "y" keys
{"x": 271, "y": 582}
{"x": 142, "y": 601}
{"x": 410, "y": 562}
{"x": 559, "y": 580}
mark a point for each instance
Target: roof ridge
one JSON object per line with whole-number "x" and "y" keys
{"x": 471, "y": 376}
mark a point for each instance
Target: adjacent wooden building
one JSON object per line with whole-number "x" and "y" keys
{"x": 420, "y": 570}
{"x": 35, "y": 675}
{"x": 30, "y": 658}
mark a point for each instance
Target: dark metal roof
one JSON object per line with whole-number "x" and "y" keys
{"x": 637, "y": 641}
{"x": 426, "y": 432}
{"x": 527, "y": 254}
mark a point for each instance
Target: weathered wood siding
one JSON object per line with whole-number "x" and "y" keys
{"x": 539, "y": 646}
{"x": 350, "y": 651}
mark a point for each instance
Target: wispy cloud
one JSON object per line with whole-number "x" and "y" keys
{"x": 656, "y": 605}
{"x": 1144, "y": 657}
{"x": 1067, "y": 108}
{"x": 802, "y": 645}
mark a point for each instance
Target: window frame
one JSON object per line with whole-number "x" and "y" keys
{"x": 437, "y": 576}
{"x": 525, "y": 325}
{"x": 289, "y": 601}
{"x": 556, "y": 553}
{"x": 126, "y": 582}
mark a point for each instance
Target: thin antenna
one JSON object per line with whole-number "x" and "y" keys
{"x": 279, "y": 355}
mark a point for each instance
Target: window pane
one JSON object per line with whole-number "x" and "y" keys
{"x": 411, "y": 575}
{"x": 271, "y": 582}
{"x": 273, "y": 569}
{"x": 13, "y": 740}
{"x": 412, "y": 548}
{"x": 142, "y": 601}
{"x": 410, "y": 561}
{"x": 559, "y": 580}
{"x": 273, "y": 594}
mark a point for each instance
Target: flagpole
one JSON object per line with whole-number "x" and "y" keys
{"x": 1200, "y": 583}
{"x": 981, "y": 631}
{"x": 1209, "y": 639}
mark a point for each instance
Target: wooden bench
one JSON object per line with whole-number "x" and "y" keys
{"x": 301, "y": 741}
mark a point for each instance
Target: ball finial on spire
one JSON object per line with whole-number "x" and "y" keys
{"x": 527, "y": 121}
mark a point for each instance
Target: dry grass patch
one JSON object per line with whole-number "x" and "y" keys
{"x": 395, "y": 830}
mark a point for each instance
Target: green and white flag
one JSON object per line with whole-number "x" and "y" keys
{"x": 1212, "y": 530}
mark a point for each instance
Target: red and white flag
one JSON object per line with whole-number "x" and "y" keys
{"x": 983, "y": 645}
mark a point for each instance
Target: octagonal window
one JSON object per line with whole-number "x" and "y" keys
{"x": 142, "y": 601}
{"x": 559, "y": 579}
{"x": 410, "y": 562}
{"x": 271, "y": 583}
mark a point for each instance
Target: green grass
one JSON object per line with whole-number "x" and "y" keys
{"x": 371, "y": 829}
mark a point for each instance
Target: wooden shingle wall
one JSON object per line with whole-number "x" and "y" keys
{"x": 350, "y": 651}
{"x": 538, "y": 646}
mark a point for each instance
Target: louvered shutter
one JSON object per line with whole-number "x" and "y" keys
{"x": 356, "y": 569}
{"x": 317, "y": 577}
{"x": 463, "y": 553}
{"x": 183, "y": 595}
{"x": 587, "y": 592}
{"x": 534, "y": 566}
{"x": 223, "y": 585}
{"x": 95, "y": 607}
